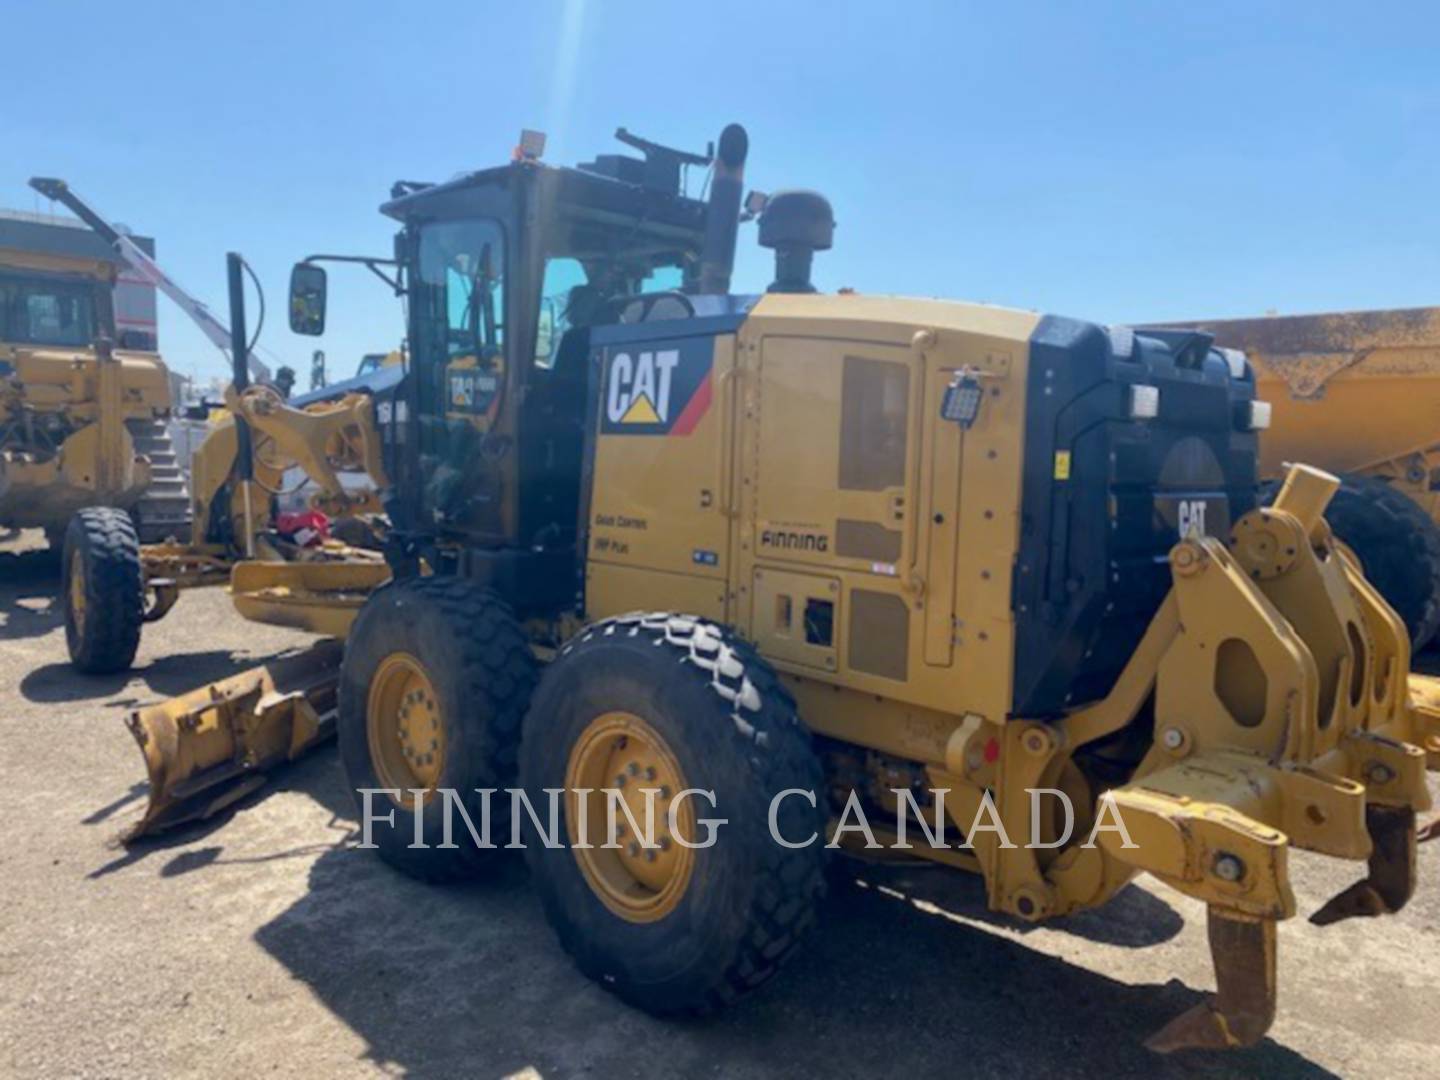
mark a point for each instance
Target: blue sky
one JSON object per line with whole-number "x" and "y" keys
{"x": 1120, "y": 162}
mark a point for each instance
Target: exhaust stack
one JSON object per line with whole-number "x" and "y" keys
{"x": 722, "y": 215}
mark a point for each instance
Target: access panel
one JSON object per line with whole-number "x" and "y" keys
{"x": 661, "y": 463}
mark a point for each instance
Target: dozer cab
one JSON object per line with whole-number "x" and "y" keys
{"x": 712, "y": 577}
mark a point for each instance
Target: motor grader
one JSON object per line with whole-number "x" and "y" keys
{"x": 798, "y": 551}
{"x": 1355, "y": 393}
{"x": 82, "y": 421}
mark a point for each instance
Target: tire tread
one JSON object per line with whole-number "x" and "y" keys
{"x": 114, "y": 590}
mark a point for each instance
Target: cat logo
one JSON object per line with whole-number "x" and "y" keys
{"x": 640, "y": 388}
{"x": 657, "y": 391}
{"x": 1190, "y": 515}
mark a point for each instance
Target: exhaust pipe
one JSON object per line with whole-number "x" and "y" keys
{"x": 722, "y": 214}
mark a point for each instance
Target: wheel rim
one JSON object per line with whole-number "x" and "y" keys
{"x": 621, "y": 752}
{"x": 77, "y": 593}
{"x": 404, "y": 726}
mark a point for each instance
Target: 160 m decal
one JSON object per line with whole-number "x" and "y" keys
{"x": 663, "y": 390}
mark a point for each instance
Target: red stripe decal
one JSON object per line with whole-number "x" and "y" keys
{"x": 697, "y": 407}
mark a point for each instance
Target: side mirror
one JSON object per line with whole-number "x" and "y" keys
{"x": 545, "y": 333}
{"x": 307, "y": 299}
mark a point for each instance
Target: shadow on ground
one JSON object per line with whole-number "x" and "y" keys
{"x": 166, "y": 676}
{"x": 884, "y": 988}
{"x": 908, "y": 974}
{"x": 316, "y": 774}
{"x": 29, "y": 594}
{"x": 897, "y": 981}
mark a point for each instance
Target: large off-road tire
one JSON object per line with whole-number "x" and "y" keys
{"x": 435, "y": 683}
{"x": 674, "y": 703}
{"x": 103, "y": 590}
{"x": 1398, "y": 546}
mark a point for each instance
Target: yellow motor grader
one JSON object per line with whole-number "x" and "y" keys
{"x": 758, "y": 564}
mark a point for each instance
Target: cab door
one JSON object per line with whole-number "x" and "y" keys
{"x": 458, "y": 333}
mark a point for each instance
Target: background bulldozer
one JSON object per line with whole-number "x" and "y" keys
{"x": 1358, "y": 393}
{"x": 817, "y": 556}
{"x": 82, "y": 419}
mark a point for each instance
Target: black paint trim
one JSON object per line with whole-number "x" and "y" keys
{"x": 1091, "y": 569}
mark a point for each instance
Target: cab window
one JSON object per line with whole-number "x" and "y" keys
{"x": 462, "y": 265}
{"x": 46, "y": 313}
{"x": 562, "y": 295}
{"x": 662, "y": 279}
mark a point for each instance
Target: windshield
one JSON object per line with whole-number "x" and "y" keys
{"x": 46, "y": 312}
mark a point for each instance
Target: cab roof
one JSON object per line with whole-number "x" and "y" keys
{"x": 608, "y": 191}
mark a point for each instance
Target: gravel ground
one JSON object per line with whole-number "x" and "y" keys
{"x": 262, "y": 943}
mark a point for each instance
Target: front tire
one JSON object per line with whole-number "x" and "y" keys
{"x": 104, "y": 590}
{"x": 436, "y": 680}
{"x": 680, "y": 704}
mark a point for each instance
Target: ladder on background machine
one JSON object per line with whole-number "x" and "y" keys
{"x": 163, "y": 512}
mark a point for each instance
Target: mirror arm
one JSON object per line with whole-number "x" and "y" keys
{"x": 372, "y": 263}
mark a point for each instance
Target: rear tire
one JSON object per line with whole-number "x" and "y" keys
{"x": 103, "y": 590}
{"x": 1398, "y": 546}
{"x": 729, "y": 727}
{"x": 466, "y": 673}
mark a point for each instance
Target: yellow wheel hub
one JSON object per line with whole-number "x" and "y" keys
{"x": 404, "y": 726}
{"x": 77, "y": 592}
{"x": 617, "y": 760}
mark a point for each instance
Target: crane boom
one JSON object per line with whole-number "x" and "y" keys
{"x": 147, "y": 268}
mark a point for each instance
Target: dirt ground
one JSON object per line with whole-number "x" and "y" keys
{"x": 262, "y": 943}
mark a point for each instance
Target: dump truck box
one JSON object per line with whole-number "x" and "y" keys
{"x": 1358, "y": 394}
{"x": 1351, "y": 391}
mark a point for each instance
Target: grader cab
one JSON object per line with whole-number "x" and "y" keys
{"x": 710, "y": 575}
